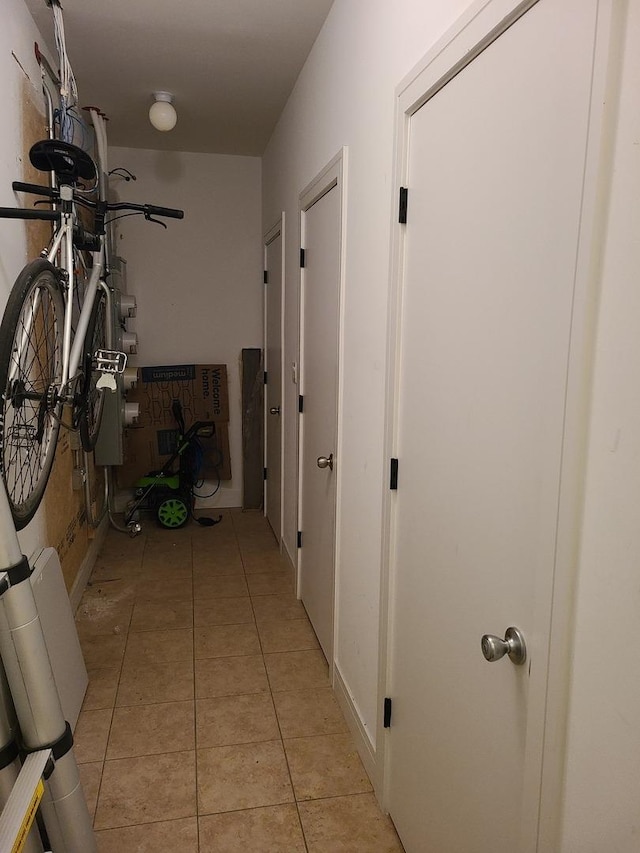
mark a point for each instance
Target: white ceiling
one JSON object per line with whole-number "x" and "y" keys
{"x": 230, "y": 64}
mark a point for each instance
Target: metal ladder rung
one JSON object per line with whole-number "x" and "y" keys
{"x": 22, "y": 805}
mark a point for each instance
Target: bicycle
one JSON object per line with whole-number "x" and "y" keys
{"x": 48, "y": 358}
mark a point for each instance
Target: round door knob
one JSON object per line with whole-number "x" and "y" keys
{"x": 274, "y": 410}
{"x": 513, "y": 645}
{"x": 325, "y": 461}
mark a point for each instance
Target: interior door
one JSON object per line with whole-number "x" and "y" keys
{"x": 495, "y": 180}
{"x": 273, "y": 391}
{"x": 320, "y": 303}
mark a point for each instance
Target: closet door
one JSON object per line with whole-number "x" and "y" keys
{"x": 495, "y": 187}
{"x": 321, "y": 208}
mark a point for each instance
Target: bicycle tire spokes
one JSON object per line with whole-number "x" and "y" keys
{"x": 31, "y": 404}
{"x": 31, "y": 396}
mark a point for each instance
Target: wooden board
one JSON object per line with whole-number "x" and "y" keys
{"x": 252, "y": 429}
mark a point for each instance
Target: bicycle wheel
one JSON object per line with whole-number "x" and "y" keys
{"x": 30, "y": 375}
{"x": 91, "y": 401}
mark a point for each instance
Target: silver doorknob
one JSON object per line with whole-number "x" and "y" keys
{"x": 274, "y": 410}
{"x": 513, "y": 645}
{"x": 325, "y": 461}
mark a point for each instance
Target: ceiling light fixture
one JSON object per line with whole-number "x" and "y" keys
{"x": 162, "y": 114}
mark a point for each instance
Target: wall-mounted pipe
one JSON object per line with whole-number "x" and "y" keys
{"x": 134, "y": 528}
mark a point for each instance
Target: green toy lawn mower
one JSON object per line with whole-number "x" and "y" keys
{"x": 169, "y": 493}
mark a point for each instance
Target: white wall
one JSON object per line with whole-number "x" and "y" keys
{"x": 345, "y": 96}
{"x": 602, "y": 794}
{"x": 19, "y": 73}
{"x": 198, "y": 284}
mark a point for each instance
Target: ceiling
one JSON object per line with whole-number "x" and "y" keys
{"x": 230, "y": 65}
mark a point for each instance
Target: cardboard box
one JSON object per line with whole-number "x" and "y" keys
{"x": 202, "y": 391}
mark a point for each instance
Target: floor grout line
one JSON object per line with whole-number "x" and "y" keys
{"x": 251, "y": 554}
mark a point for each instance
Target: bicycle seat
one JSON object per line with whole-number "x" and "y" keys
{"x": 69, "y": 162}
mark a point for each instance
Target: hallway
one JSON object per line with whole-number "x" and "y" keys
{"x": 209, "y": 723}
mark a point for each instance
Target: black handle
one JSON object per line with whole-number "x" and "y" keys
{"x": 20, "y": 213}
{"x": 147, "y": 209}
{"x": 21, "y": 187}
{"x": 170, "y": 212}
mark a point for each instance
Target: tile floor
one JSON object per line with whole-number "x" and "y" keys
{"x": 209, "y": 724}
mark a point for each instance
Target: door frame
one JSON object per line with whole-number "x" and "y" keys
{"x": 277, "y": 230}
{"x": 334, "y": 174}
{"x": 480, "y": 25}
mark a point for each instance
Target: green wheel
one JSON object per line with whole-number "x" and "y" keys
{"x": 172, "y": 512}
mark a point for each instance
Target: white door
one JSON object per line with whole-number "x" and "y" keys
{"x": 319, "y": 322}
{"x": 273, "y": 367}
{"x": 495, "y": 181}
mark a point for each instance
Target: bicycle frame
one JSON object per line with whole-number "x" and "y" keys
{"x": 72, "y": 345}
{"x": 63, "y": 243}
{"x": 63, "y": 239}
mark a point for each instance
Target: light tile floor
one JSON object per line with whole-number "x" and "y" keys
{"x": 209, "y": 724}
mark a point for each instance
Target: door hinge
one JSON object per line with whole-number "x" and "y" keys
{"x": 265, "y": 277}
{"x": 393, "y": 478}
{"x": 300, "y": 403}
{"x": 265, "y": 473}
{"x": 265, "y": 377}
{"x": 299, "y": 538}
{"x": 402, "y": 207}
{"x": 387, "y": 713}
{"x": 302, "y": 258}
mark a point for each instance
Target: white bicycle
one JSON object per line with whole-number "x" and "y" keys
{"x": 53, "y": 351}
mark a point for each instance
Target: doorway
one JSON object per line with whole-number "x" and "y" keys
{"x": 320, "y": 292}
{"x": 487, "y": 374}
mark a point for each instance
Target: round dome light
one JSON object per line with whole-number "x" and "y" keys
{"x": 162, "y": 114}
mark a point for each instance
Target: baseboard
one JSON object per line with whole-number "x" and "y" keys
{"x": 287, "y": 555}
{"x": 291, "y": 566}
{"x": 365, "y": 748}
{"x": 86, "y": 567}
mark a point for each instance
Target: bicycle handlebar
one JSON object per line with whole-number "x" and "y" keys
{"x": 169, "y": 212}
{"x": 22, "y": 213}
{"x": 148, "y": 209}
{"x": 49, "y": 192}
